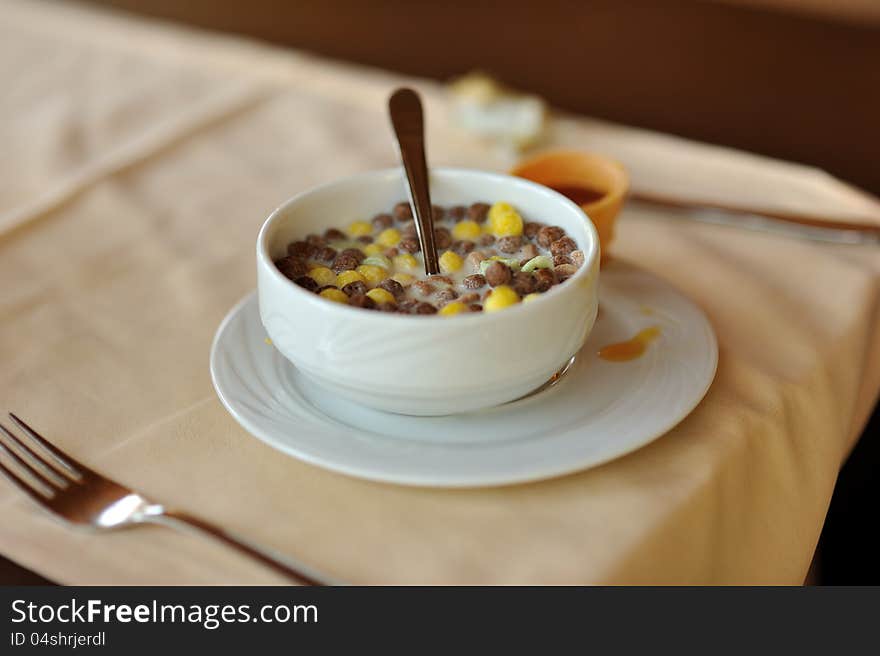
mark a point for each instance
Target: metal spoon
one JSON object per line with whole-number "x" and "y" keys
{"x": 405, "y": 109}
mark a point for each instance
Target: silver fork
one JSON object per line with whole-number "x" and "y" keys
{"x": 83, "y": 497}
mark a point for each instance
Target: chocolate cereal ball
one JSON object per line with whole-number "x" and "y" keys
{"x": 409, "y": 245}
{"x": 442, "y": 238}
{"x": 345, "y": 262}
{"x": 326, "y": 254}
{"x": 473, "y": 260}
{"x": 463, "y": 246}
{"x": 402, "y": 211}
{"x": 523, "y": 283}
{"x": 307, "y": 283}
{"x": 301, "y": 249}
{"x": 478, "y": 212}
{"x": 548, "y": 234}
{"x": 564, "y": 271}
{"x": 424, "y": 287}
{"x": 530, "y": 229}
{"x": 560, "y": 259}
{"x": 393, "y": 287}
{"x": 563, "y": 246}
{"x": 362, "y": 301}
{"x": 509, "y": 244}
{"x": 497, "y": 273}
{"x": 457, "y": 213}
{"x": 474, "y": 281}
{"x": 356, "y": 288}
{"x": 529, "y": 251}
{"x": 544, "y": 279}
{"x": 444, "y": 296}
{"x": 407, "y": 305}
{"x": 356, "y": 253}
{"x": 292, "y": 267}
{"x": 439, "y": 279}
{"x": 382, "y": 221}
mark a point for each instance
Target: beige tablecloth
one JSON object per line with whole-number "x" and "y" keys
{"x": 138, "y": 161}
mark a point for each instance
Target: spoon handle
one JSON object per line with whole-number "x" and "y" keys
{"x": 405, "y": 109}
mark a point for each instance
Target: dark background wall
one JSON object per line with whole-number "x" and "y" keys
{"x": 796, "y": 79}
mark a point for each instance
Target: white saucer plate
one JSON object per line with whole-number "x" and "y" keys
{"x": 598, "y": 411}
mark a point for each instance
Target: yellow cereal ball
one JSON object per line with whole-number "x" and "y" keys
{"x": 373, "y": 249}
{"x": 404, "y": 279}
{"x": 453, "y": 308}
{"x": 335, "y": 295}
{"x": 528, "y": 298}
{"x": 466, "y": 230}
{"x": 405, "y": 261}
{"x": 359, "y": 228}
{"x": 505, "y": 220}
{"x": 348, "y": 276}
{"x": 450, "y": 262}
{"x": 322, "y": 275}
{"x": 381, "y": 295}
{"x": 500, "y": 297}
{"x": 372, "y": 274}
{"x": 388, "y": 237}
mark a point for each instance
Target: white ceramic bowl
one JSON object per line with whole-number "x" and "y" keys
{"x": 424, "y": 365}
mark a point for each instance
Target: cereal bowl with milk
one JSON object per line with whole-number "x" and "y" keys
{"x": 342, "y": 294}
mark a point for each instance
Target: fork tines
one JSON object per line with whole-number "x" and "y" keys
{"x": 44, "y": 472}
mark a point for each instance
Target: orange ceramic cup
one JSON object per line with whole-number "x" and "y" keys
{"x": 596, "y": 183}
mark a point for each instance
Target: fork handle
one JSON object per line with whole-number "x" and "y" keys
{"x": 188, "y": 524}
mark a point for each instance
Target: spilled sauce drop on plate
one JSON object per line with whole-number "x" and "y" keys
{"x": 631, "y": 348}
